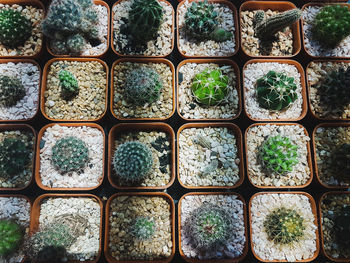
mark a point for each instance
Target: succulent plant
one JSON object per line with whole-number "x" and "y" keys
{"x": 342, "y": 227}
{"x": 145, "y": 18}
{"x": 143, "y": 227}
{"x": 267, "y": 28}
{"x": 331, "y": 25}
{"x": 278, "y": 154}
{"x": 70, "y": 154}
{"x": 284, "y": 226}
{"x": 11, "y": 91}
{"x": 201, "y": 22}
{"x": 276, "y": 91}
{"x": 11, "y": 236}
{"x": 69, "y": 84}
{"x": 15, "y": 28}
{"x": 143, "y": 85}
{"x": 210, "y": 87}
{"x": 132, "y": 161}
{"x": 341, "y": 161}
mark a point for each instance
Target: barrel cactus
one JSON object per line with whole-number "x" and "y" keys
{"x": 11, "y": 91}
{"x": 11, "y": 236}
{"x": 143, "y": 227}
{"x": 69, "y": 84}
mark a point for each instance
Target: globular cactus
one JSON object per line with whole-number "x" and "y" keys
{"x": 342, "y": 227}
{"x": 11, "y": 91}
{"x": 145, "y": 18}
{"x": 210, "y": 87}
{"x": 341, "y": 161}
{"x": 69, "y": 84}
{"x": 331, "y": 25}
{"x": 70, "y": 154}
{"x": 11, "y": 236}
{"x": 75, "y": 43}
{"x": 132, "y": 161}
{"x": 15, "y": 28}
{"x": 201, "y": 22}
{"x": 276, "y": 91}
{"x": 267, "y": 28}
{"x": 284, "y": 226}
{"x": 143, "y": 227}
{"x": 143, "y": 85}
{"x": 278, "y": 154}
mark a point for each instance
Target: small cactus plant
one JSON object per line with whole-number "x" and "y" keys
{"x": 341, "y": 161}
{"x": 202, "y": 24}
{"x": 69, "y": 84}
{"x": 342, "y": 227}
{"x": 143, "y": 228}
{"x": 276, "y": 91}
{"x": 15, "y": 28}
{"x": 70, "y": 154}
{"x": 331, "y": 25}
{"x": 11, "y": 236}
{"x": 143, "y": 85}
{"x": 11, "y": 91}
{"x": 284, "y": 226}
{"x": 210, "y": 87}
{"x": 267, "y": 28}
{"x": 278, "y": 154}
{"x": 132, "y": 161}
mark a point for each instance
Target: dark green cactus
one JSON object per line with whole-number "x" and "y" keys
{"x": 69, "y": 84}
{"x": 276, "y": 91}
{"x": 11, "y": 236}
{"x": 267, "y": 28}
{"x": 143, "y": 228}
{"x": 11, "y": 91}
{"x": 342, "y": 227}
{"x": 15, "y": 28}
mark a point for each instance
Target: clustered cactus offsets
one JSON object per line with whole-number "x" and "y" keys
{"x": 342, "y": 227}
{"x": 143, "y": 227}
{"x": 11, "y": 237}
{"x": 11, "y": 91}
{"x": 331, "y": 25}
{"x": 69, "y": 84}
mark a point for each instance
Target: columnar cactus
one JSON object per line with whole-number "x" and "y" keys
{"x": 267, "y": 28}
{"x": 11, "y": 91}
{"x": 143, "y": 85}
{"x": 15, "y": 28}
{"x": 342, "y": 227}
{"x": 276, "y": 91}
{"x": 143, "y": 228}
{"x": 69, "y": 84}
{"x": 210, "y": 87}
{"x": 11, "y": 236}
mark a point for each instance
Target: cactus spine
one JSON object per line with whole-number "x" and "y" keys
{"x": 11, "y": 91}
{"x": 143, "y": 227}
{"x": 69, "y": 84}
{"x": 11, "y": 235}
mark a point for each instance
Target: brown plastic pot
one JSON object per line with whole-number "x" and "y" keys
{"x": 141, "y": 60}
{"x": 132, "y": 127}
{"x": 139, "y": 55}
{"x": 275, "y": 6}
{"x": 215, "y": 61}
{"x": 238, "y": 135}
{"x": 96, "y": 2}
{"x": 235, "y": 17}
{"x": 321, "y": 227}
{"x": 334, "y": 124}
{"x": 44, "y": 80}
{"x": 37, "y": 162}
{"x": 109, "y": 257}
{"x": 11, "y": 127}
{"x": 314, "y": 212}
{"x": 302, "y": 83}
{"x": 228, "y": 260}
{"x": 308, "y": 157}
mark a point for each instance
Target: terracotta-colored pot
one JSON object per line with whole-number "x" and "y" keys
{"x": 228, "y": 260}
{"x": 308, "y": 156}
{"x": 338, "y": 124}
{"x": 302, "y": 83}
{"x": 109, "y": 257}
{"x": 96, "y": 2}
{"x": 34, "y": 220}
{"x": 141, "y": 60}
{"x": 11, "y": 127}
{"x": 215, "y": 61}
{"x": 34, "y": 3}
{"x": 44, "y": 80}
{"x": 239, "y": 144}
{"x": 235, "y": 18}
{"x": 314, "y": 212}
{"x": 321, "y": 227}
{"x": 37, "y": 162}
{"x": 275, "y": 6}
{"x": 139, "y": 55}
{"x": 132, "y": 127}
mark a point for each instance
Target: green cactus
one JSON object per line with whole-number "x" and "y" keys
{"x": 143, "y": 228}
{"x": 331, "y": 25}
{"x": 284, "y": 226}
{"x": 341, "y": 162}
{"x": 342, "y": 227}
{"x": 143, "y": 85}
{"x": 145, "y": 18}
{"x": 15, "y": 28}
{"x": 266, "y": 28}
{"x": 69, "y": 84}
{"x": 11, "y": 91}
{"x": 11, "y": 236}
{"x": 132, "y": 161}
{"x": 201, "y": 22}
{"x": 75, "y": 43}
{"x": 70, "y": 154}
{"x": 210, "y": 87}
{"x": 276, "y": 91}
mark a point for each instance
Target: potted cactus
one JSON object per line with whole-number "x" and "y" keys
{"x": 142, "y": 28}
